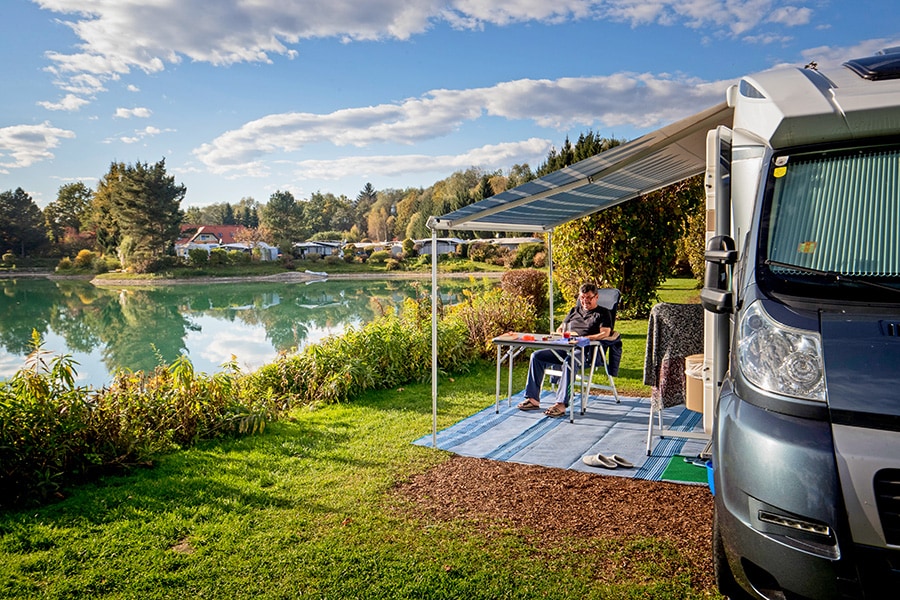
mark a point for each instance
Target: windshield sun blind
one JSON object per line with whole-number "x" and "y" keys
{"x": 835, "y": 213}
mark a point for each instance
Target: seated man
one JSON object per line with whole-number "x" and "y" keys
{"x": 586, "y": 319}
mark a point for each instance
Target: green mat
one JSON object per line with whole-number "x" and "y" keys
{"x": 678, "y": 470}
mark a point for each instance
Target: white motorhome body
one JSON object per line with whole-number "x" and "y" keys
{"x": 802, "y": 292}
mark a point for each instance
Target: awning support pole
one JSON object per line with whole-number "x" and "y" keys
{"x": 434, "y": 338}
{"x": 550, "y": 283}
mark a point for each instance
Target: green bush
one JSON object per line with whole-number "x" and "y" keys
{"x": 392, "y": 264}
{"x": 333, "y": 259}
{"x": 100, "y": 265}
{"x": 43, "y": 428}
{"x": 389, "y": 351}
{"x": 238, "y": 257}
{"x": 218, "y": 257}
{"x": 65, "y": 264}
{"x": 198, "y": 257}
{"x": 379, "y": 257}
{"x": 53, "y": 433}
{"x": 8, "y": 258}
{"x": 525, "y": 255}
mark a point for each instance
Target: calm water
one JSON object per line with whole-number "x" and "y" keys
{"x": 107, "y": 329}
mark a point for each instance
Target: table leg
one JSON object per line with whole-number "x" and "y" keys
{"x": 497, "y": 392}
{"x": 512, "y": 356}
{"x": 571, "y": 391}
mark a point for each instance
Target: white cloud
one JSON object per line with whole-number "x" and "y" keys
{"x": 140, "y": 134}
{"x": 790, "y": 15}
{"x": 621, "y": 100}
{"x": 127, "y": 113}
{"x": 489, "y": 157}
{"x": 24, "y": 145}
{"x": 830, "y": 56}
{"x": 69, "y": 103}
{"x": 115, "y": 37}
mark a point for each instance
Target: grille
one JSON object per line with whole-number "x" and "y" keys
{"x": 887, "y": 498}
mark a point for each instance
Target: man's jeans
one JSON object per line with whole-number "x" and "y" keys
{"x": 540, "y": 361}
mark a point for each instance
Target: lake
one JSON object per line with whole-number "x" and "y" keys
{"x": 137, "y": 328}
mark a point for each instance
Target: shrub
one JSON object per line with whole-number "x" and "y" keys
{"x": 218, "y": 257}
{"x": 65, "y": 264}
{"x": 483, "y": 251}
{"x": 333, "y": 259}
{"x": 487, "y": 315}
{"x": 53, "y": 433}
{"x": 238, "y": 257}
{"x": 524, "y": 256}
{"x": 379, "y": 257}
{"x": 100, "y": 265}
{"x": 198, "y": 257}
{"x": 389, "y": 351}
{"x": 530, "y": 284}
{"x": 392, "y": 264}
{"x": 84, "y": 259}
{"x": 8, "y": 258}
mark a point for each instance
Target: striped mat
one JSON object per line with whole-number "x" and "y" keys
{"x": 511, "y": 435}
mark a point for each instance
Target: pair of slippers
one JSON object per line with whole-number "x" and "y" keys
{"x": 607, "y": 462}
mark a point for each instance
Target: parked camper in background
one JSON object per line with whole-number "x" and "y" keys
{"x": 803, "y": 333}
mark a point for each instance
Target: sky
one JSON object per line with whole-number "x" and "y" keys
{"x": 243, "y": 98}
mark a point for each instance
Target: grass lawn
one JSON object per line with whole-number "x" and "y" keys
{"x": 307, "y": 510}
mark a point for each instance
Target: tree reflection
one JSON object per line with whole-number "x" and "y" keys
{"x": 138, "y": 328}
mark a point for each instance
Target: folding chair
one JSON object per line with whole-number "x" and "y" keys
{"x": 609, "y": 299}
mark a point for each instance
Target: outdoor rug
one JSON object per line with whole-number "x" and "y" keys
{"x": 606, "y": 428}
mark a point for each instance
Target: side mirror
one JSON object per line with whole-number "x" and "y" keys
{"x": 716, "y": 295}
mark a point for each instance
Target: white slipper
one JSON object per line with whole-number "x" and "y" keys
{"x": 621, "y": 461}
{"x": 598, "y": 460}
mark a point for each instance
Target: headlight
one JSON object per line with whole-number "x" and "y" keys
{"x": 781, "y": 359}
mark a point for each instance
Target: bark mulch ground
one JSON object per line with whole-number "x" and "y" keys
{"x": 539, "y": 499}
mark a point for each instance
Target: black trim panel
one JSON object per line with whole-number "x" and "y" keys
{"x": 864, "y": 420}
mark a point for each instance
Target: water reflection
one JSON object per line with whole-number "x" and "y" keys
{"x": 138, "y": 328}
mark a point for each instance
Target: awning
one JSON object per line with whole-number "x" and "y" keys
{"x": 649, "y": 163}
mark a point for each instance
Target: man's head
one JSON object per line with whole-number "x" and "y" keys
{"x": 587, "y": 295}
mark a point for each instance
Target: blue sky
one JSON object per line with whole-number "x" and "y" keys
{"x": 246, "y": 97}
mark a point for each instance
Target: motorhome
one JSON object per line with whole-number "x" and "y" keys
{"x": 803, "y": 294}
{"x": 802, "y": 328}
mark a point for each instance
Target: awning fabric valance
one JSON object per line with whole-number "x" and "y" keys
{"x": 651, "y": 162}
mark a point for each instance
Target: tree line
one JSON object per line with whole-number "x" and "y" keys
{"x": 135, "y": 214}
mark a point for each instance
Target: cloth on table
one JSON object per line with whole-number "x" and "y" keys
{"x": 674, "y": 332}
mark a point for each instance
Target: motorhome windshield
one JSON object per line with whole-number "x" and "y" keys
{"x": 832, "y": 220}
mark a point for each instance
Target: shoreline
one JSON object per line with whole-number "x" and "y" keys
{"x": 286, "y": 277}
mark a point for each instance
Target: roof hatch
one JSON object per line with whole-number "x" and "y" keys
{"x": 884, "y": 65}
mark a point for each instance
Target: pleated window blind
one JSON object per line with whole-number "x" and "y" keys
{"x": 838, "y": 213}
